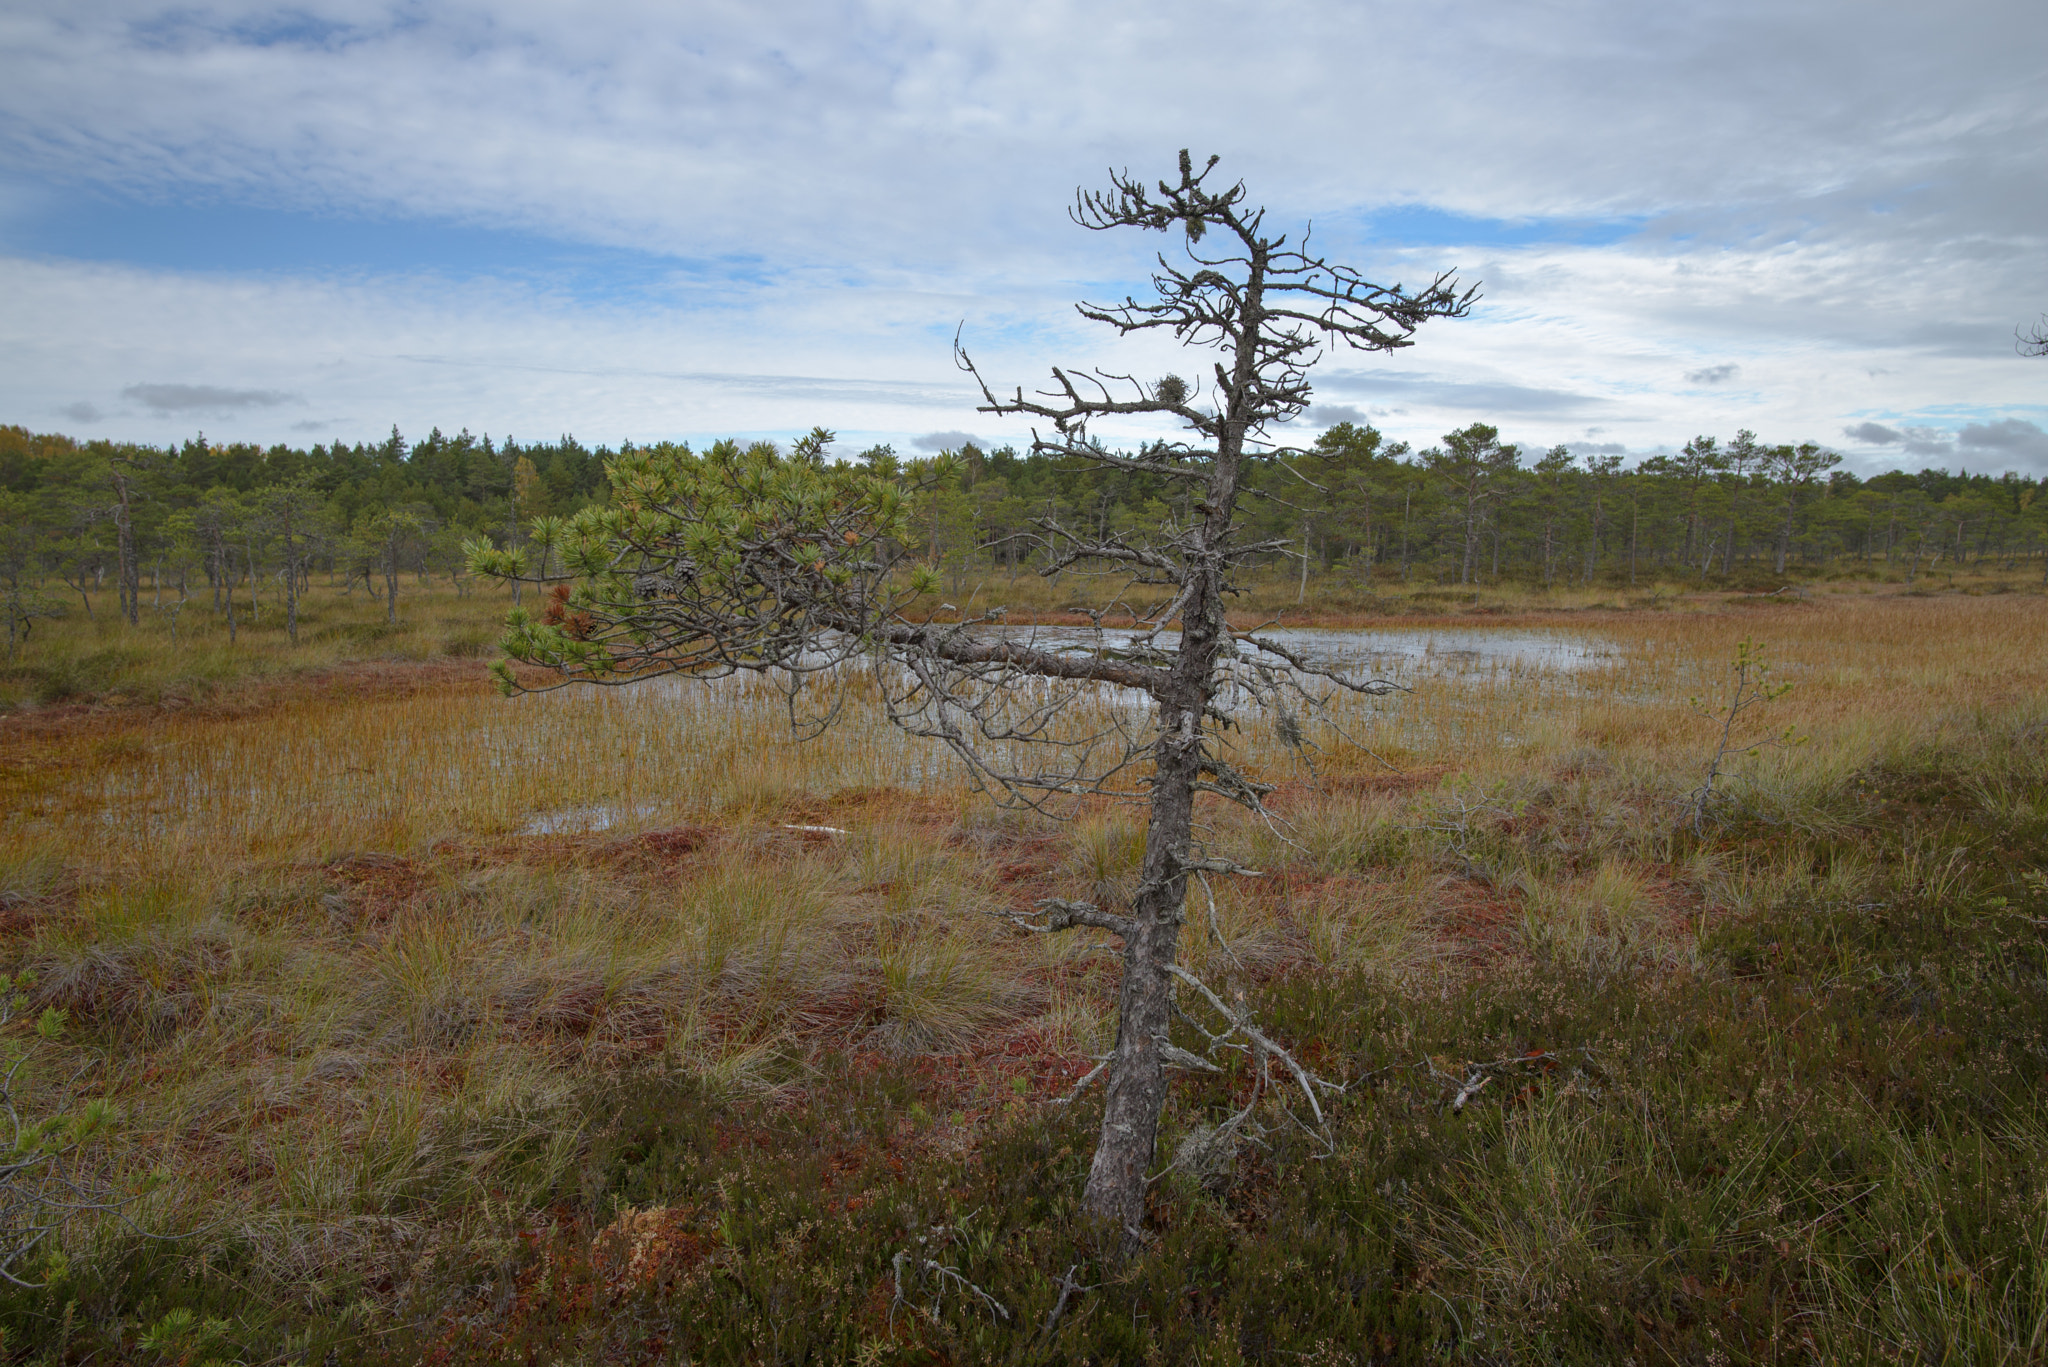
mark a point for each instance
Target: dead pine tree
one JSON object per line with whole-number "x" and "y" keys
{"x": 1268, "y": 309}
{"x": 806, "y": 572}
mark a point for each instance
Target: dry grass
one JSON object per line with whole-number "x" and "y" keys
{"x": 345, "y": 960}
{"x": 181, "y": 653}
{"x": 1872, "y": 676}
{"x": 1347, "y": 598}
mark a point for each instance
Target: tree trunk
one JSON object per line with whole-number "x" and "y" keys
{"x": 129, "y": 571}
{"x": 1136, "y": 1092}
{"x": 227, "y": 575}
{"x": 291, "y": 593}
{"x": 1365, "y": 542}
{"x": 1137, "y": 1075}
{"x": 1407, "y": 495}
{"x": 1634, "y": 525}
{"x": 1471, "y": 537}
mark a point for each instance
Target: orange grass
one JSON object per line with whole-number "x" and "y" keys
{"x": 333, "y": 774}
{"x": 342, "y": 991}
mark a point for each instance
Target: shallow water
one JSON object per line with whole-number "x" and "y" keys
{"x": 1434, "y": 650}
{"x": 1402, "y": 653}
{"x": 585, "y": 820}
{"x": 1410, "y": 657}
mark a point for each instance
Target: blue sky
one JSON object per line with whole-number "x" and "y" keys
{"x": 1819, "y": 221}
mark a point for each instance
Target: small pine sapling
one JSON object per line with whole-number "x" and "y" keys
{"x": 1752, "y": 692}
{"x": 42, "y": 1186}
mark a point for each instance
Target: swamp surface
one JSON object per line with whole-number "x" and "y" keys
{"x": 621, "y": 1027}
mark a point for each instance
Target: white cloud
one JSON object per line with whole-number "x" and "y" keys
{"x": 2012, "y": 437}
{"x": 947, "y": 441}
{"x": 1714, "y": 374}
{"x": 1846, "y": 215}
{"x": 241, "y": 354}
{"x": 162, "y": 399}
{"x": 728, "y": 126}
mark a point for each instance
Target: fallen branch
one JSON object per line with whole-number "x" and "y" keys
{"x": 1479, "y": 1075}
{"x": 945, "y": 1274}
{"x": 1307, "y": 1080}
{"x": 1068, "y": 1286}
{"x": 1059, "y": 914}
{"x": 1071, "y": 1097}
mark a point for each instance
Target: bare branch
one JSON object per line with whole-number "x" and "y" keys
{"x": 1063, "y": 915}
{"x": 1239, "y": 1022}
{"x": 1374, "y": 688}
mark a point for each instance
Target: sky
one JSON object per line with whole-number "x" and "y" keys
{"x": 647, "y": 221}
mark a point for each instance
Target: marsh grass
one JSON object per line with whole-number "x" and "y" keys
{"x": 389, "y": 1046}
{"x": 184, "y": 655}
{"x": 1605, "y": 922}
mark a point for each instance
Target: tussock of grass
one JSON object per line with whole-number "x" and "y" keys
{"x": 1369, "y": 929}
{"x": 1606, "y": 922}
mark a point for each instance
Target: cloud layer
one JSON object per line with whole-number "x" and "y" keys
{"x": 1690, "y": 218}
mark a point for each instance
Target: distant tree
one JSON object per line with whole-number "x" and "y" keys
{"x": 82, "y": 553}
{"x": 1743, "y": 460}
{"x": 218, "y": 522}
{"x": 756, "y": 559}
{"x": 1796, "y": 470}
{"x": 1601, "y": 473}
{"x": 1356, "y": 470}
{"x": 397, "y": 539}
{"x": 1471, "y": 463}
{"x": 294, "y": 519}
{"x": 1552, "y": 471}
{"x": 121, "y": 469}
{"x": 21, "y": 545}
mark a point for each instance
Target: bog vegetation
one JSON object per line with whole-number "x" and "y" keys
{"x": 1653, "y": 971}
{"x": 425, "y": 1045}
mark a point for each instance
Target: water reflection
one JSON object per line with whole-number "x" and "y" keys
{"x": 586, "y": 820}
{"x": 1426, "y": 650}
{"x": 1536, "y": 667}
{"x": 1555, "y": 649}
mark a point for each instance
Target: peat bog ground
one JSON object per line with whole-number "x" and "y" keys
{"x": 620, "y": 1027}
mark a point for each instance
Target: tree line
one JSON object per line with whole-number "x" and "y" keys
{"x": 250, "y": 526}
{"x": 1473, "y": 510}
